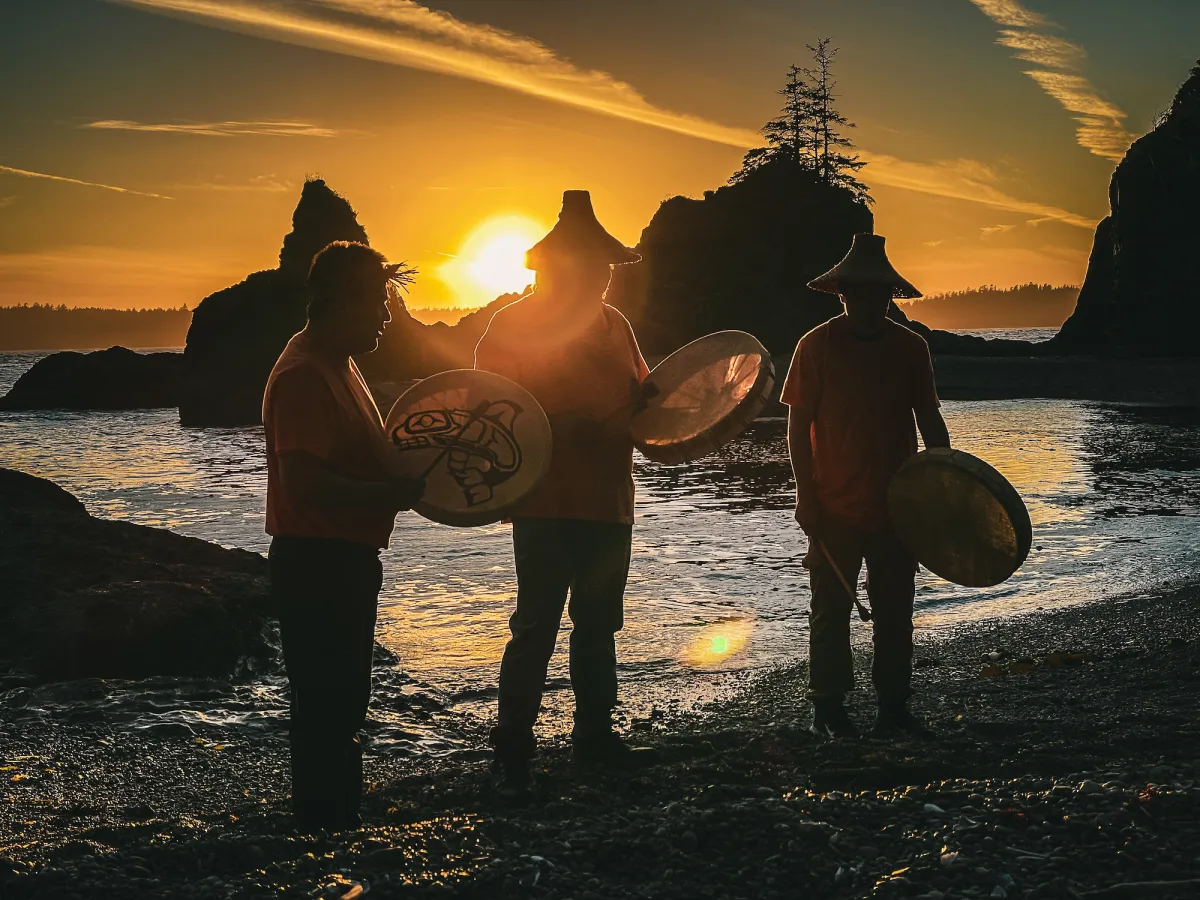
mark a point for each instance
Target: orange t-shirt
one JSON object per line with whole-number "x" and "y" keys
{"x": 861, "y": 395}
{"x": 586, "y": 381}
{"x": 313, "y": 406}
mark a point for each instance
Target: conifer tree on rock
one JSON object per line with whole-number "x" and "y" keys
{"x": 808, "y": 132}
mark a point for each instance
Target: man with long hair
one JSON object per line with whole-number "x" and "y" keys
{"x": 331, "y": 504}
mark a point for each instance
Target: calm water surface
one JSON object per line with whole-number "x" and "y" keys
{"x": 717, "y": 587}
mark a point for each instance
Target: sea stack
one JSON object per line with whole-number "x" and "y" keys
{"x": 1141, "y": 296}
{"x": 237, "y": 333}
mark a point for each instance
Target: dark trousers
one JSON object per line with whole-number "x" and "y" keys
{"x": 553, "y": 557}
{"x": 891, "y": 575}
{"x": 326, "y": 592}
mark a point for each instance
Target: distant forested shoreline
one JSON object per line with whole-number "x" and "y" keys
{"x": 1024, "y": 306}
{"x": 46, "y": 327}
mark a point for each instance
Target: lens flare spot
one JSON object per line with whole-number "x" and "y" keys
{"x": 718, "y": 643}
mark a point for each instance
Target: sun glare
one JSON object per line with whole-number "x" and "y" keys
{"x": 491, "y": 261}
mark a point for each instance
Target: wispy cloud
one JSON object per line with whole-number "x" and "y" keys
{"x": 961, "y": 180}
{"x": 989, "y": 230}
{"x": 8, "y": 200}
{"x": 262, "y": 184}
{"x": 217, "y": 129}
{"x": 403, "y": 32}
{"x": 406, "y": 33}
{"x": 1101, "y": 123}
{"x": 25, "y": 173}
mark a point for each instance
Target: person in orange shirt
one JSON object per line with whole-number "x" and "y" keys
{"x": 579, "y": 358}
{"x": 331, "y": 504}
{"x": 853, "y": 389}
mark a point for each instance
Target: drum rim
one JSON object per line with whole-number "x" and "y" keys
{"x": 999, "y": 486}
{"x": 744, "y": 412}
{"x": 467, "y": 519}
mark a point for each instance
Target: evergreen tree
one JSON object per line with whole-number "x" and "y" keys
{"x": 834, "y": 164}
{"x": 808, "y": 130}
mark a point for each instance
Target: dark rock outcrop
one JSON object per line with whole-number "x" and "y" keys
{"x": 115, "y": 378}
{"x": 86, "y": 597}
{"x": 1141, "y": 296}
{"x": 741, "y": 257}
{"x": 237, "y": 333}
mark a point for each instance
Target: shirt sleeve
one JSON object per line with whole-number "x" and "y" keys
{"x": 302, "y": 414}
{"x": 802, "y": 387}
{"x": 924, "y": 387}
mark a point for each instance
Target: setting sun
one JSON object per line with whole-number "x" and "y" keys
{"x": 491, "y": 260}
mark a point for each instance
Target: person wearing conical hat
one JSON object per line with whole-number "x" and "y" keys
{"x": 855, "y": 386}
{"x": 579, "y": 358}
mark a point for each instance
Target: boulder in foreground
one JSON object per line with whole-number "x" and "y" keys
{"x": 86, "y": 597}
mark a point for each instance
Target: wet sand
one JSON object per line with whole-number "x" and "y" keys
{"x": 1064, "y": 767}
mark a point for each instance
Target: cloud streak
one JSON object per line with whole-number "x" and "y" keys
{"x": 961, "y": 179}
{"x": 217, "y": 129}
{"x": 25, "y": 173}
{"x": 1101, "y": 128}
{"x": 405, "y": 33}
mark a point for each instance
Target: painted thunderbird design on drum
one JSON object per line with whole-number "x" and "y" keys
{"x": 480, "y": 447}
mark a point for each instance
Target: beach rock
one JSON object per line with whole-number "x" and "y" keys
{"x": 87, "y": 597}
{"x": 237, "y": 333}
{"x": 1142, "y": 289}
{"x": 115, "y": 378}
{"x": 740, "y": 257}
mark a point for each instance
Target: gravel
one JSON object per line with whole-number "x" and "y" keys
{"x": 1069, "y": 772}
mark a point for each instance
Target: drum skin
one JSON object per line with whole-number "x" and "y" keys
{"x": 487, "y": 438}
{"x": 959, "y": 517}
{"x": 709, "y": 391}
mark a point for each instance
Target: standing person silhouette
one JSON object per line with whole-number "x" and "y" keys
{"x": 852, "y": 390}
{"x": 579, "y": 358}
{"x": 331, "y": 505}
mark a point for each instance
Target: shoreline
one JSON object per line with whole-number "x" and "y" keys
{"x": 1039, "y": 780}
{"x": 1143, "y": 381}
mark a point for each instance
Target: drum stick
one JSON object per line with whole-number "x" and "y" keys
{"x": 863, "y": 612}
{"x": 471, "y": 419}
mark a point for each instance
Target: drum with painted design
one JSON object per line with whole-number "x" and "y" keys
{"x": 481, "y": 442}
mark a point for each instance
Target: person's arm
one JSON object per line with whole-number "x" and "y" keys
{"x": 303, "y": 421}
{"x": 925, "y": 402}
{"x": 799, "y": 429}
{"x": 801, "y": 393}
{"x": 308, "y": 479}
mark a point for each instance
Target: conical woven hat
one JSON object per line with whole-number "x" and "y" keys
{"x": 578, "y": 233}
{"x": 865, "y": 264}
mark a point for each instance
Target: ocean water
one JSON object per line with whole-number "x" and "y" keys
{"x": 717, "y": 590}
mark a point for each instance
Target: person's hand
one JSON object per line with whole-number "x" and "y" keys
{"x": 405, "y": 492}
{"x": 808, "y": 515}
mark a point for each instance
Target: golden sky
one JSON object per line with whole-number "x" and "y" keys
{"x": 154, "y": 149}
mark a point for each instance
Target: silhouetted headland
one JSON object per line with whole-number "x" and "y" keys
{"x": 1022, "y": 306}
{"x": 45, "y": 327}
